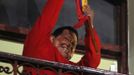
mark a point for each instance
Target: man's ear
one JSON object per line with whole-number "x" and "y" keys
{"x": 52, "y": 38}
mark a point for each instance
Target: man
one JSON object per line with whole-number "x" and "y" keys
{"x": 60, "y": 45}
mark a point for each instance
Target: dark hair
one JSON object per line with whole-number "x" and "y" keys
{"x": 58, "y": 31}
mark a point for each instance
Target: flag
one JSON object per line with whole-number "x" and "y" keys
{"x": 81, "y": 17}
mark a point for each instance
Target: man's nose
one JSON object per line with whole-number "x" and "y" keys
{"x": 67, "y": 51}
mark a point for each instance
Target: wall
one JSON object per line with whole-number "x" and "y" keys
{"x": 11, "y": 47}
{"x": 131, "y": 36}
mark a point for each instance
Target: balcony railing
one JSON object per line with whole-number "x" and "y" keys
{"x": 17, "y": 62}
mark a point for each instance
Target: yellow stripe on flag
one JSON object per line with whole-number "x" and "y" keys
{"x": 84, "y": 2}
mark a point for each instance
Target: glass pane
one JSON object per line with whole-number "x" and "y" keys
{"x": 104, "y": 20}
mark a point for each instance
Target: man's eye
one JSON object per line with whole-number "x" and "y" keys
{"x": 65, "y": 48}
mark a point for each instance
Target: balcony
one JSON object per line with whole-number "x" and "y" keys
{"x": 17, "y": 62}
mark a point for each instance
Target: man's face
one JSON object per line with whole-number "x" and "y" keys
{"x": 65, "y": 43}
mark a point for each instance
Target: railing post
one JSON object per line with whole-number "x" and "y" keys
{"x": 15, "y": 67}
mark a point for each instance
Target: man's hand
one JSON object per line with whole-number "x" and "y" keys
{"x": 89, "y": 12}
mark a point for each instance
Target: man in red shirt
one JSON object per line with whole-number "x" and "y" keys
{"x": 60, "y": 45}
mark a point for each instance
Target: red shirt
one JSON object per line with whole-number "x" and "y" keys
{"x": 38, "y": 44}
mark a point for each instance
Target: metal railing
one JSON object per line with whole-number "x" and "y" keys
{"x": 17, "y": 61}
